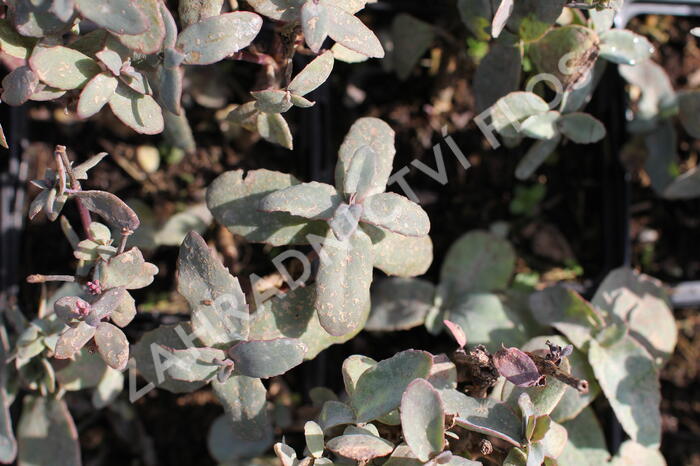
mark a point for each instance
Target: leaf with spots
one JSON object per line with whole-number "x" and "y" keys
{"x": 63, "y": 68}
{"x": 96, "y": 94}
{"x": 219, "y": 309}
{"x": 379, "y": 389}
{"x": 117, "y": 16}
{"x": 267, "y": 358}
{"x": 213, "y": 39}
{"x": 343, "y": 281}
{"x": 243, "y": 399}
{"x": 139, "y": 112}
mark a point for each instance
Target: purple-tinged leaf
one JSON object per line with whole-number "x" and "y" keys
{"x": 457, "y": 332}
{"x": 517, "y": 367}
{"x": 19, "y": 85}
{"x": 109, "y": 207}
{"x": 71, "y": 307}
{"x": 112, "y": 345}
{"x": 109, "y": 301}
{"x": 128, "y": 269}
{"x": 151, "y": 40}
{"x": 360, "y": 447}
{"x": 72, "y": 339}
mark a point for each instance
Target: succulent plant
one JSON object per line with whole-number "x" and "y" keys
{"x": 353, "y": 225}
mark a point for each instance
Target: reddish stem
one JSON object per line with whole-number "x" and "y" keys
{"x": 85, "y": 217}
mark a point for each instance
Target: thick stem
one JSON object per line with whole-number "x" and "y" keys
{"x": 85, "y": 218}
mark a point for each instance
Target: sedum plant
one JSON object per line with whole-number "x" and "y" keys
{"x": 131, "y": 57}
{"x": 352, "y": 226}
{"x": 412, "y": 409}
{"x": 610, "y": 341}
{"x": 75, "y": 341}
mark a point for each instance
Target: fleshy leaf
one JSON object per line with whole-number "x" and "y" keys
{"x": 536, "y": 156}
{"x": 360, "y": 447}
{"x": 400, "y": 304}
{"x": 234, "y": 201}
{"x": 581, "y": 128}
{"x": 267, "y": 358}
{"x": 379, "y": 389}
{"x": 395, "y": 213}
{"x": 643, "y": 304}
{"x": 73, "y": 339}
{"x": 194, "y": 11}
{"x": 63, "y": 68}
{"x": 316, "y": 201}
{"x": 226, "y": 445}
{"x": 109, "y": 207}
{"x": 314, "y": 23}
{"x": 477, "y": 261}
{"x": 46, "y": 433}
{"x": 586, "y": 441}
{"x": 314, "y": 439}
{"x": 334, "y": 414}
{"x": 139, "y": 112}
{"x": 568, "y": 312}
{"x": 151, "y": 364}
{"x": 280, "y": 10}
{"x": 579, "y": 44}
{"x": 219, "y": 309}
{"x": 274, "y": 128}
{"x": 633, "y": 453}
{"x": 151, "y": 40}
{"x": 213, "y": 39}
{"x": 313, "y": 75}
{"x": 624, "y": 47}
{"x": 348, "y": 30}
{"x": 517, "y": 367}
{"x": 412, "y": 38}
{"x": 423, "y": 419}
{"x": 243, "y": 399}
{"x": 483, "y": 415}
{"x": 194, "y": 364}
{"x": 14, "y": 44}
{"x": 378, "y": 136}
{"x": 688, "y": 107}
{"x": 292, "y": 315}
{"x": 19, "y": 85}
{"x": 96, "y": 94}
{"x": 117, "y": 16}
{"x": 128, "y": 269}
{"x": 514, "y": 108}
{"x": 399, "y": 255}
{"x": 112, "y": 345}
{"x": 343, "y": 281}
{"x": 629, "y": 379}
{"x": 272, "y": 100}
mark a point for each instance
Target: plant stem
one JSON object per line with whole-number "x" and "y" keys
{"x": 547, "y": 367}
{"x": 85, "y": 218}
{"x": 38, "y": 278}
